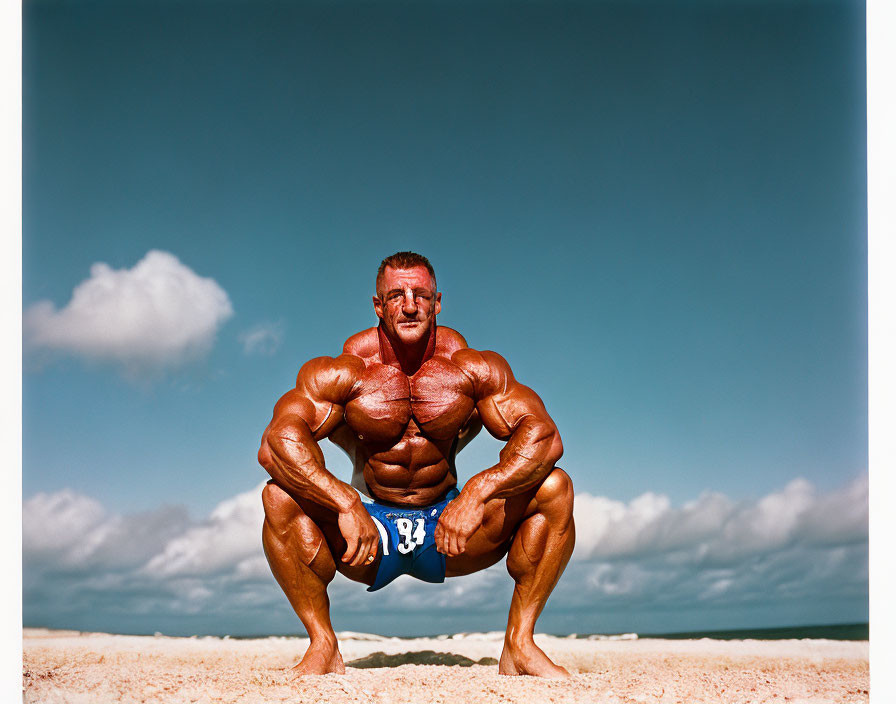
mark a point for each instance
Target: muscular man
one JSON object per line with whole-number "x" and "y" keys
{"x": 402, "y": 399}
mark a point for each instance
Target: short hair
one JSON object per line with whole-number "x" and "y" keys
{"x": 404, "y": 260}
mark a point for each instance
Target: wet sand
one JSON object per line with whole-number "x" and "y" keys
{"x": 93, "y": 668}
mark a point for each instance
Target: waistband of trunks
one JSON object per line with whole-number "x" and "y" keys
{"x": 451, "y": 494}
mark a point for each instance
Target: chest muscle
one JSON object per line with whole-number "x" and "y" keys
{"x": 438, "y": 399}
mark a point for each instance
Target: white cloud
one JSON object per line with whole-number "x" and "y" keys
{"x": 228, "y": 538}
{"x": 159, "y": 313}
{"x": 793, "y": 545}
{"x": 74, "y": 533}
{"x": 715, "y": 530}
{"x": 53, "y": 524}
{"x": 262, "y": 339}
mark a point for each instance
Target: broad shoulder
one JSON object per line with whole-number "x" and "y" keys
{"x": 320, "y": 380}
{"x": 329, "y": 378}
{"x": 449, "y": 341}
{"x": 364, "y": 344}
{"x": 488, "y": 370}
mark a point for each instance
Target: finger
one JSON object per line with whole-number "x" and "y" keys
{"x": 351, "y": 548}
{"x": 370, "y": 553}
{"x": 438, "y": 534}
{"x": 353, "y": 558}
{"x": 446, "y": 540}
{"x": 358, "y": 556}
{"x": 452, "y": 544}
{"x": 365, "y": 550}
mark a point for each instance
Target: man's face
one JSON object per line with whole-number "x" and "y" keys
{"x": 407, "y": 303}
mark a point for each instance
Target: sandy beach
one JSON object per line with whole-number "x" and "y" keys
{"x": 91, "y": 668}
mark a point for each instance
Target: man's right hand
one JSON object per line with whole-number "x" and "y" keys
{"x": 361, "y": 535}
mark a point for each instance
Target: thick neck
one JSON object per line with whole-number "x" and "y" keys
{"x": 408, "y": 357}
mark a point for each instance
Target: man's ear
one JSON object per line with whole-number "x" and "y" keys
{"x": 438, "y": 302}
{"x": 378, "y": 307}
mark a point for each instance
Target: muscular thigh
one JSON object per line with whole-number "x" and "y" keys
{"x": 327, "y": 521}
{"x": 492, "y": 539}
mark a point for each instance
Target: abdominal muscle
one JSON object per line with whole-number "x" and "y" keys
{"x": 414, "y": 472}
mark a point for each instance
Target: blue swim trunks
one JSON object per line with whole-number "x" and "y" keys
{"x": 407, "y": 545}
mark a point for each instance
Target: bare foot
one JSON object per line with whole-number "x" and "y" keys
{"x": 321, "y": 658}
{"x": 526, "y": 658}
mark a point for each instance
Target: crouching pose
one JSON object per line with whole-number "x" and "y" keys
{"x": 402, "y": 399}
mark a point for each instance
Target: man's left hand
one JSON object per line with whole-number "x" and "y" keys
{"x": 460, "y": 519}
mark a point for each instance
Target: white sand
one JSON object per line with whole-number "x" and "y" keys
{"x": 92, "y": 668}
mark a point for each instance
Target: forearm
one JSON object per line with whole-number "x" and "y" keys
{"x": 527, "y": 458}
{"x": 296, "y": 463}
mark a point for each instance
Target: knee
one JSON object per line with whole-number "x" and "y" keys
{"x": 265, "y": 458}
{"x": 556, "y": 492}
{"x": 280, "y": 510}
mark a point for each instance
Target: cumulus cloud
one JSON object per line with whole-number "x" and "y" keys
{"x": 795, "y": 554}
{"x": 157, "y": 314}
{"x": 160, "y": 569}
{"x": 716, "y": 531}
{"x": 227, "y": 541}
{"x": 83, "y": 564}
{"x": 262, "y": 339}
{"x": 72, "y": 533}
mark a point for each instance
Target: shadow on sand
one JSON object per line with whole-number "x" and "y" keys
{"x": 419, "y": 657}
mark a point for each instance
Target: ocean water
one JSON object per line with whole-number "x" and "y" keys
{"x": 837, "y": 631}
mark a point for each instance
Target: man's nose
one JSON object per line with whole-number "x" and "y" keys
{"x": 409, "y": 304}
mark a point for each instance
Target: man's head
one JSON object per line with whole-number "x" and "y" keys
{"x": 406, "y": 299}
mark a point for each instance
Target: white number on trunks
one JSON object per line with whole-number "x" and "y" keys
{"x": 410, "y": 540}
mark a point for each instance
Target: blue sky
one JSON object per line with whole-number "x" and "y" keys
{"x": 655, "y": 212}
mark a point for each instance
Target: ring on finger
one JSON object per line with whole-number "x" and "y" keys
{"x": 370, "y": 559}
